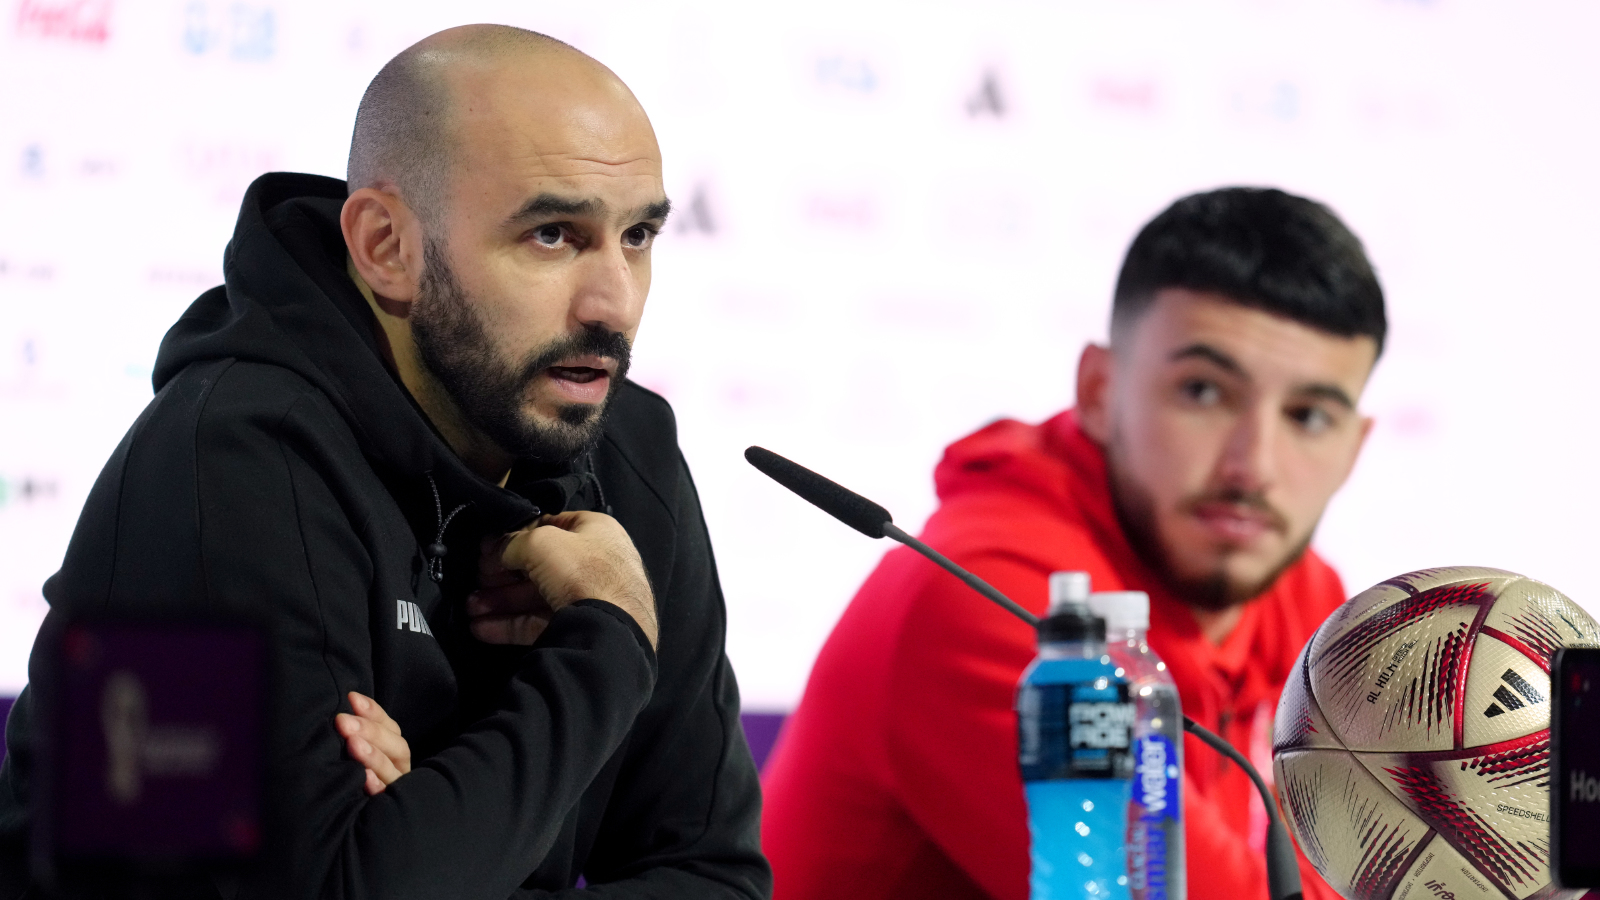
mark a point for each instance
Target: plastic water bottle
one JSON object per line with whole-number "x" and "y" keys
{"x": 1075, "y": 719}
{"x": 1155, "y": 810}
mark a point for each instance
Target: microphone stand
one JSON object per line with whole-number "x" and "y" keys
{"x": 1283, "y": 868}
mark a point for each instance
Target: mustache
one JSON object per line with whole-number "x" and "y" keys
{"x": 593, "y": 340}
{"x": 1254, "y": 501}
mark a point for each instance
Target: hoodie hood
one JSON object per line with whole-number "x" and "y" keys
{"x": 1049, "y": 476}
{"x": 287, "y": 301}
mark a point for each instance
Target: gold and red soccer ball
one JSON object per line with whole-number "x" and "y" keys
{"x": 1412, "y": 744}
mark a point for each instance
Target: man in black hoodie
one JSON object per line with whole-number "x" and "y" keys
{"x": 401, "y": 436}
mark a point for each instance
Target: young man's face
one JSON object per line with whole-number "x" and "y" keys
{"x": 539, "y": 263}
{"x": 1226, "y": 430}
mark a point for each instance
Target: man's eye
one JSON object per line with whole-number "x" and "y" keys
{"x": 1311, "y": 419}
{"x": 549, "y": 235}
{"x": 1201, "y": 392}
{"x": 639, "y": 236}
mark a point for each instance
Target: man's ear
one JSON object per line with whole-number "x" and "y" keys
{"x": 380, "y": 232}
{"x": 1096, "y": 369}
{"x": 1366, "y": 432}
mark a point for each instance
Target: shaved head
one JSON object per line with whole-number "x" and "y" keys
{"x": 504, "y": 193}
{"x": 404, "y": 137}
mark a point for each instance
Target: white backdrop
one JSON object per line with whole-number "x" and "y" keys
{"x": 896, "y": 222}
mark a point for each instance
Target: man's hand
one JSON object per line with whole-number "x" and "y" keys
{"x": 506, "y": 608}
{"x": 564, "y": 558}
{"x": 374, "y": 740}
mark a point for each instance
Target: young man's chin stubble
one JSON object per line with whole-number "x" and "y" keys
{"x": 454, "y": 346}
{"x": 1213, "y": 592}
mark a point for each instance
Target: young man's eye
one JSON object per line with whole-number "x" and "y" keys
{"x": 639, "y": 236}
{"x": 1201, "y": 392}
{"x": 1311, "y": 419}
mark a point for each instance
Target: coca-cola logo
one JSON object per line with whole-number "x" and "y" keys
{"x": 82, "y": 21}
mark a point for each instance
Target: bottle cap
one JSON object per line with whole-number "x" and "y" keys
{"x": 1122, "y": 610}
{"x": 1069, "y": 618}
{"x": 1072, "y": 622}
{"x": 1068, "y": 587}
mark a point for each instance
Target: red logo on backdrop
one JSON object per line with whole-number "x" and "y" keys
{"x": 83, "y": 21}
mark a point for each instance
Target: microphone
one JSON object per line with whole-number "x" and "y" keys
{"x": 872, "y": 520}
{"x": 832, "y": 498}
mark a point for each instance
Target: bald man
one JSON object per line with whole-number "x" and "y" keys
{"x": 401, "y": 435}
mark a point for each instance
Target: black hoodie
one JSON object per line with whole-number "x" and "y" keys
{"x": 283, "y": 472}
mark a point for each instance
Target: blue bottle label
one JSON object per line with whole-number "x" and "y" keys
{"x": 1082, "y": 730}
{"x": 1156, "y": 785}
{"x": 1155, "y": 811}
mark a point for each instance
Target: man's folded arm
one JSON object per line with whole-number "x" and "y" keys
{"x": 472, "y": 820}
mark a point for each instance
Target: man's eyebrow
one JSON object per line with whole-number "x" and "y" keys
{"x": 657, "y": 211}
{"x": 1212, "y": 355}
{"x": 545, "y": 205}
{"x": 1330, "y": 392}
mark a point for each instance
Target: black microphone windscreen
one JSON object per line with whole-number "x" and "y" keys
{"x": 834, "y": 499}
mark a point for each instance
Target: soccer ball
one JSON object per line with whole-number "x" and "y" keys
{"x": 1412, "y": 743}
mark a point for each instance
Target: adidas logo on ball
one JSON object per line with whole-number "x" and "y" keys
{"x": 1584, "y": 788}
{"x": 1510, "y": 700}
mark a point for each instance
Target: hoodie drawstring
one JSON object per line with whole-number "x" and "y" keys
{"x": 437, "y": 551}
{"x": 600, "y": 492}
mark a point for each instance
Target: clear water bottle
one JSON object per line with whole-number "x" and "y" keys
{"x": 1155, "y": 810}
{"x": 1075, "y": 719}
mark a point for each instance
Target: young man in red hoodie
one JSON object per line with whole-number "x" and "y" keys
{"x": 1207, "y": 440}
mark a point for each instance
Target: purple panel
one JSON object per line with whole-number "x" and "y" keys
{"x": 761, "y": 732}
{"x": 157, "y": 741}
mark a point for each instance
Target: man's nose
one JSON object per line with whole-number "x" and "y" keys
{"x": 1248, "y": 460}
{"x": 608, "y": 293}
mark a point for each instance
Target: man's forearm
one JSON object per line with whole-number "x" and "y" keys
{"x": 475, "y": 819}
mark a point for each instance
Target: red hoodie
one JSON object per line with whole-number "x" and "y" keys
{"x": 897, "y": 776}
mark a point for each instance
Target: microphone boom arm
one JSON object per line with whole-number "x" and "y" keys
{"x": 972, "y": 581}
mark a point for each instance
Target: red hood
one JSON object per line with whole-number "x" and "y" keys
{"x": 1047, "y": 481}
{"x": 1012, "y": 455}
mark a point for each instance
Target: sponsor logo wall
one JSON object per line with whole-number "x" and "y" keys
{"x": 895, "y": 223}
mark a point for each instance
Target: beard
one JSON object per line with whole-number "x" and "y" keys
{"x": 1213, "y": 591}
{"x": 454, "y": 346}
